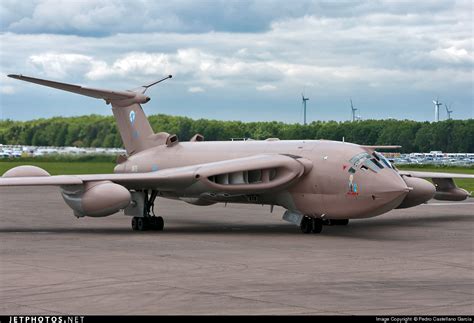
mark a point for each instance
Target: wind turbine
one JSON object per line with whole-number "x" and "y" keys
{"x": 353, "y": 109}
{"x": 304, "y": 107}
{"x": 437, "y": 105}
{"x": 448, "y": 111}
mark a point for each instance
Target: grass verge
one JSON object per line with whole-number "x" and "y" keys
{"x": 63, "y": 168}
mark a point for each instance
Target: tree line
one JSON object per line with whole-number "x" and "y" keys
{"x": 101, "y": 131}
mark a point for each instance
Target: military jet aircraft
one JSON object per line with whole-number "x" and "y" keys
{"x": 318, "y": 182}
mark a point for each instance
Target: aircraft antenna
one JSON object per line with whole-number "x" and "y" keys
{"x": 145, "y": 87}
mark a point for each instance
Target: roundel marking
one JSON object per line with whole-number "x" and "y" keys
{"x": 132, "y": 117}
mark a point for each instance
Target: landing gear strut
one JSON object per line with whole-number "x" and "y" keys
{"x": 310, "y": 225}
{"x": 149, "y": 221}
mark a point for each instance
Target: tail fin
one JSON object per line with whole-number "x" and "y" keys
{"x": 133, "y": 125}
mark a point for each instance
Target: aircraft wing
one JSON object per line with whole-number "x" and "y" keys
{"x": 134, "y": 180}
{"x": 95, "y": 93}
{"x": 248, "y": 175}
{"x": 446, "y": 188}
{"x": 434, "y": 175}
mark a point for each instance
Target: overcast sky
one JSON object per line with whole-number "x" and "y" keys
{"x": 242, "y": 60}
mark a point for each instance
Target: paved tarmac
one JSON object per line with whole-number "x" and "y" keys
{"x": 237, "y": 259}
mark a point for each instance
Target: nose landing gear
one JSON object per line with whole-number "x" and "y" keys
{"x": 315, "y": 225}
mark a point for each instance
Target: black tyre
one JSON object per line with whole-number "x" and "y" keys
{"x": 317, "y": 226}
{"x": 306, "y": 225}
{"x": 142, "y": 224}
{"x": 160, "y": 223}
{"x": 134, "y": 223}
{"x": 157, "y": 223}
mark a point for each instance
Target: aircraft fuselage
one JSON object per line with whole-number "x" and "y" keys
{"x": 336, "y": 187}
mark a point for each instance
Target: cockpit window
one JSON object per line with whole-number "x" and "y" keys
{"x": 365, "y": 161}
{"x": 358, "y": 159}
{"x": 384, "y": 160}
{"x": 370, "y": 163}
{"x": 376, "y": 162}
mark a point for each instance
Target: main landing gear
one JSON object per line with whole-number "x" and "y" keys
{"x": 310, "y": 225}
{"x": 149, "y": 221}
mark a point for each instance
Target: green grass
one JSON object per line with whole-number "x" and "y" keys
{"x": 63, "y": 168}
{"x": 467, "y": 184}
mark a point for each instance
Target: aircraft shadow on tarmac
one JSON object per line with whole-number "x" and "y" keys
{"x": 381, "y": 228}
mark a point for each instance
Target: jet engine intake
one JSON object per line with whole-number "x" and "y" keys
{"x": 96, "y": 199}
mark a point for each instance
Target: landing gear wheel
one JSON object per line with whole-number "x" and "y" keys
{"x": 306, "y": 225}
{"x": 317, "y": 226}
{"x": 135, "y": 223}
{"x": 142, "y": 224}
{"x": 157, "y": 223}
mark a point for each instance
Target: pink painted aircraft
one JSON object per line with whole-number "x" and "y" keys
{"x": 317, "y": 181}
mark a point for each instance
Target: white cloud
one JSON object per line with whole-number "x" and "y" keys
{"x": 266, "y": 87}
{"x": 195, "y": 89}
{"x": 7, "y": 90}
{"x": 60, "y": 16}
{"x": 453, "y": 55}
{"x": 131, "y": 64}
{"x": 192, "y": 64}
{"x": 364, "y": 48}
{"x": 59, "y": 65}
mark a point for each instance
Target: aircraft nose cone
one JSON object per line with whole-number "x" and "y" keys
{"x": 389, "y": 191}
{"x": 391, "y": 184}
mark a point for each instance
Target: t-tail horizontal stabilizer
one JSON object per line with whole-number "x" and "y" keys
{"x": 135, "y": 130}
